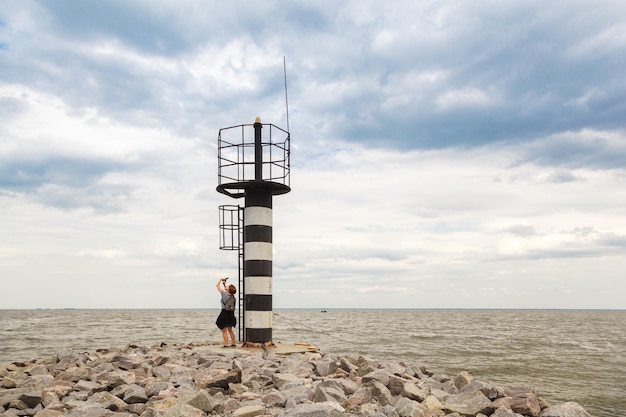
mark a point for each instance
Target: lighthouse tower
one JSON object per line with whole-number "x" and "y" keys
{"x": 253, "y": 164}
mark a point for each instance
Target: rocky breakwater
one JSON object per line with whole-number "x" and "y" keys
{"x": 207, "y": 380}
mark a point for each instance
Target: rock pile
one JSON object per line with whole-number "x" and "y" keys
{"x": 194, "y": 380}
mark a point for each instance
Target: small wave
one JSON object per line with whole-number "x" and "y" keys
{"x": 428, "y": 336}
{"x": 603, "y": 346}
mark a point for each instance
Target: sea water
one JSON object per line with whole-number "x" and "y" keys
{"x": 566, "y": 355}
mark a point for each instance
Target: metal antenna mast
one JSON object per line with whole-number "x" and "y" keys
{"x": 286, "y": 100}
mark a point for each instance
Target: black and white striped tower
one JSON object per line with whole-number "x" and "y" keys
{"x": 269, "y": 177}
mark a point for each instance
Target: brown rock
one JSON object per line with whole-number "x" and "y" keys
{"x": 410, "y": 408}
{"x": 379, "y": 375}
{"x": 89, "y": 386}
{"x": 526, "y": 404}
{"x": 161, "y": 372}
{"x": 325, "y": 367}
{"x": 362, "y": 396}
{"x": 127, "y": 362}
{"x": 502, "y": 402}
{"x": 226, "y": 406}
{"x": 49, "y": 413}
{"x": 462, "y": 379}
{"x": 135, "y": 394}
{"x": 347, "y": 365}
{"x": 274, "y": 399}
{"x": 413, "y": 392}
{"x": 381, "y": 392}
{"x": 60, "y": 388}
{"x": 432, "y": 403}
{"x": 396, "y": 384}
{"x": 8, "y": 382}
{"x": 202, "y": 401}
{"x": 222, "y": 381}
{"x": 18, "y": 404}
{"x": 486, "y": 388}
{"x": 76, "y": 373}
{"x": 48, "y": 398}
{"x": 281, "y": 381}
{"x": 325, "y": 394}
{"x": 31, "y": 398}
{"x": 109, "y": 401}
{"x": 504, "y": 412}
{"x": 249, "y": 411}
{"x": 182, "y": 410}
{"x": 39, "y": 369}
{"x": 155, "y": 387}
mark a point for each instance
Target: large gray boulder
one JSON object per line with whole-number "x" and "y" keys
{"x": 379, "y": 375}
{"x": 249, "y": 411}
{"x": 348, "y": 386}
{"x": 274, "y": 399}
{"x": 326, "y": 394}
{"x": 181, "y": 410}
{"x": 49, "y": 413}
{"x": 298, "y": 395}
{"x": 327, "y": 409}
{"x": 325, "y": 367}
{"x": 409, "y": 408}
{"x": 505, "y": 412}
{"x": 486, "y": 388}
{"x": 89, "y": 386}
{"x": 413, "y": 392}
{"x": 362, "y": 396}
{"x": 154, "y": 388}
{"x": 568, "y": 409}
{"x": 396, "y": 384}
{"x": 222, "y": 381}
{"x": 468, "y": 403}
{"x": 284, "y": 381}
{"x": 381, "y": 393}
{"x": 135, "y": 394}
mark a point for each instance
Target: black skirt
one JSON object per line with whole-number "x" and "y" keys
{"x": 226, "y": 319}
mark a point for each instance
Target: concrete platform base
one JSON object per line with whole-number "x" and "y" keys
{"x": 277, "y": 348}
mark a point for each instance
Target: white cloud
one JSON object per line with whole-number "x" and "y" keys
{"x": 49, "y": 127}
{"x": 424, "y": 210}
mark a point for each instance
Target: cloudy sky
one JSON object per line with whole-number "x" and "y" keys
{"x": 455, "y": 154}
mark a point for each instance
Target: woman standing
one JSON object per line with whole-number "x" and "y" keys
{"x": 226, "y": 320}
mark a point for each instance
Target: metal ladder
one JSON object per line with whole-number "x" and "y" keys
{"x": 231, "y": 238}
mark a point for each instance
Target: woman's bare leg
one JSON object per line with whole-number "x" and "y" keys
{"x": 225, "y": 334}
{"x": 232, "y": 334}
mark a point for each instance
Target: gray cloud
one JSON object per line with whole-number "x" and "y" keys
{"x": 521, "y": 230}
{"x": 140, "y": 27}
{"x": 101, "y": 198}
{"x": 574, "y": 150}
{"x": 28, "y": 175}
{"x": 421, "y": 77}
{"x": 613, "y": 239}
{"x": 67, "y": 183}
{"x": 562, "y": 176}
